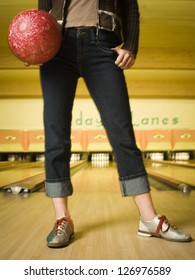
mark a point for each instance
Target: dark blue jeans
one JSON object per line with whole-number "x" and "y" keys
{"x": 84, "y": 53}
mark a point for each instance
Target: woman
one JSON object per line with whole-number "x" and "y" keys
{"x": 92, "y": 31}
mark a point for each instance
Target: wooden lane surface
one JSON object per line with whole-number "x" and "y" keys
{"x": 174, "y": 173}
{"x": 184, "y": 163}
{"x": 20, "y": 173}
{"x": 189, "y": 163}
{"x": 28, "y": 175}
{"x": 10, "y": 164}
{"x": 105, "y": 223}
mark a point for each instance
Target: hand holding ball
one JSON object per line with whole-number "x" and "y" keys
{"x": 34, "y": 36}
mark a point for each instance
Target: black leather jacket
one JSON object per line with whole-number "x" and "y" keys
{"x": 119, "y": 16}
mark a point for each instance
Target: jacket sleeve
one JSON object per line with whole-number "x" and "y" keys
{"x": 45, "y": 5}
{"x": 130, "y": 25}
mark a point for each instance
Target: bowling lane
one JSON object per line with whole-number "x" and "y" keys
{"x": 5, "y": 165}
{"x": 27, "y": 176}
{"x": 184, "y": 163}
{"x": 20, "y": 172}
{"x": 175, "y": 171}
{"x": 105, "y": 223}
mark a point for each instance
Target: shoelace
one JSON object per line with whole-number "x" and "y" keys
{"x": 60, "y": 224}
{"x": 162, "y": 220}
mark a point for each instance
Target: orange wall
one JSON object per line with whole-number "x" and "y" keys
{"x": 96, "y": 140}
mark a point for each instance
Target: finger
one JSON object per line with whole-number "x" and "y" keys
{"x": 120, "y": 59}
{"x": 124, "y": 60}
{"x": 120, "y": 55}
{"x": 26, "y": 64}
{"x": 129, "y": 63}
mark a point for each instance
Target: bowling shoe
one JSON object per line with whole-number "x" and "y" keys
{"x": 162, "y": 228}
{"x": 61, "y": 234}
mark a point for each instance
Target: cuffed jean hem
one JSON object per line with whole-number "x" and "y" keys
{"x": 134, "y": 186}
{"x": 58, "y": 189}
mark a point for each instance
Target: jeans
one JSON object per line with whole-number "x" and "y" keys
{"x": 86, "y": 53}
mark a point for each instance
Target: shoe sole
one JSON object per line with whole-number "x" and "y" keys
{"x": 146, "y": 234}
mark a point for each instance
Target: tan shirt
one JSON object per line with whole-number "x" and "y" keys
{"x": 82, "y": 13}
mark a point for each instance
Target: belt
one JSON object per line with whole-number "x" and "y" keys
{"x": 82, "y": 27}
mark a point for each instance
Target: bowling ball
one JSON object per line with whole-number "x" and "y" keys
{"x": 34, "y": 36}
